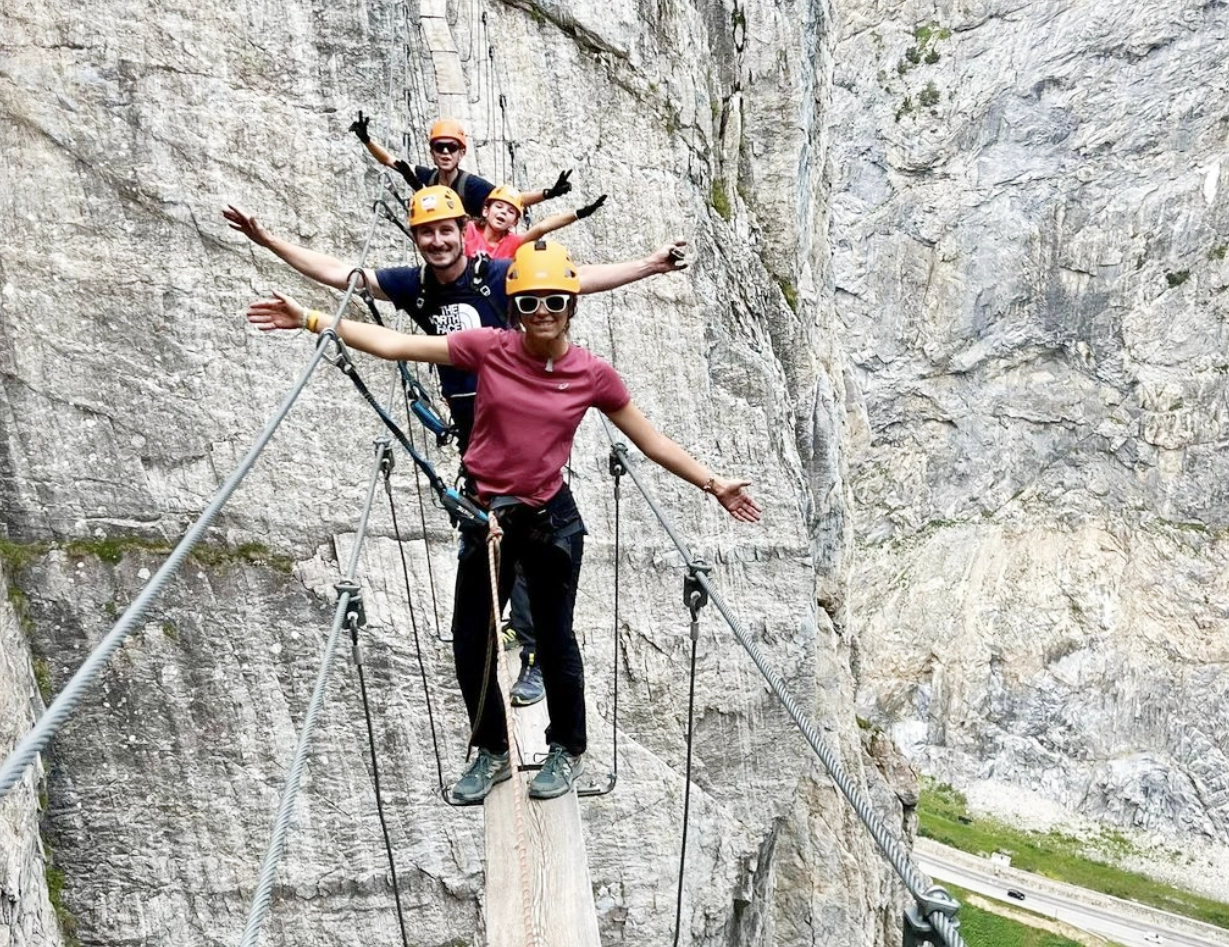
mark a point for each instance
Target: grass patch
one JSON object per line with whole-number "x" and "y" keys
{"x": 717, "y": 197}
{"x": 112, "y": 549}
{"x": 943, "y": 816}
{"x": 16, "y": 556}
{"x": 65, "y": 917}
{"x": 979, "y": 926}
{"x": 789, "y": 291}
{"x": 1218, "y": 252}
{"x": 929, "y": 97}
{"x": 1177, "y": 279}
{"x": 42, "y": 679}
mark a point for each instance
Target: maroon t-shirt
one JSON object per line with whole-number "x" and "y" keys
{"x": 526, "y": 417}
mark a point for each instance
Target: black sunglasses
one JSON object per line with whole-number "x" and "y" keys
{"x": 445, "y": 147}
{"x": 528, "y": 305}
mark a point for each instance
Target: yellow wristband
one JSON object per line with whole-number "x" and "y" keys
{"x": 312, "y": 321}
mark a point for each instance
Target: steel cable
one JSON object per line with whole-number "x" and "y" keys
{"x": 929, "y": 897}
{"x": 70, "y": 696}
{"x": 348, "y": 592}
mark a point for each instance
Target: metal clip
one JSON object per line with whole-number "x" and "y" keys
{"x": 695, "y": 596}
{"x": 618, "y": 460}
{"x": 388, "y": 460}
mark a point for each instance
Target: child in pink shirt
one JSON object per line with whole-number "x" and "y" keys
{"x": 494, "y": 233}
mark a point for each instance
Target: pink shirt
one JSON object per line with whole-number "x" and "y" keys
{"x": 526, "y": 417}
{"x": 504, "y": 249}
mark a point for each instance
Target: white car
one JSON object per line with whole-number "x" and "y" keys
{"x": 1152, "y": 937}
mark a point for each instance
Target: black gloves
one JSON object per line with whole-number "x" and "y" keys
{"x": 410, "y": 175}
{"x": 588, "y": 209}
{"x": 360, "y": 127}
{"x": 561, "y": 186}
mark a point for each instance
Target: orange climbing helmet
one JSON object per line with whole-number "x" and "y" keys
{"x": 448, "y": 128}
{"x": 542, "y": 265}
{"x": 435, "y": 203}
{"x": 509, "y": 195}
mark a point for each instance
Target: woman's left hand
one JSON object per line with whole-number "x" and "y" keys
{"x": 736, "y": 500}
{"x": 281, "y": 312}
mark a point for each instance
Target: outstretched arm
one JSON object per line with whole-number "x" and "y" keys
{"x": 662, "y": 450}
{"x": 317, "y": 266}
{"x": 558, "y": 221}
{"x": 599, "y": 277}
{"x": 282, "y": 312}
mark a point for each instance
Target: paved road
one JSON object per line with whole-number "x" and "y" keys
{"x": 1124, "y": 922}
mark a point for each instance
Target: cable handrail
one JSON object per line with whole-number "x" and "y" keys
{"x": 348, "y": 593}
{"x": 37, "y": 738}
{"x": 935, "y": 905}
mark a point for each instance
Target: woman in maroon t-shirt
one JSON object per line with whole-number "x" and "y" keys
{"x": 534, "y": 387}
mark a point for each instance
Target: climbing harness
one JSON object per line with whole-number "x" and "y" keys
{"x": 934, "y": 906}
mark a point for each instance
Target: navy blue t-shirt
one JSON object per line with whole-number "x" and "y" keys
{"x": 451, "y": 307}
{"x": 473, "y": 193}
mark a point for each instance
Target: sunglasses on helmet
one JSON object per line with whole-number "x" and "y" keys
{"x": 528, "y": 305}
{"x": 445, "y": 147}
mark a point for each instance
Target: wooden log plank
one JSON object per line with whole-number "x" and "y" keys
{"x": 561, "y": 892}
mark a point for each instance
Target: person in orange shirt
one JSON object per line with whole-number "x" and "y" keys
{"x": 494, "y": 234}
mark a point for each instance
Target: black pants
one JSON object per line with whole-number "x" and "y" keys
{"x": 548, "y": 543}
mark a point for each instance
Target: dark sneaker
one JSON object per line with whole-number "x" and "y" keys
{"x": 557, "y": 774}
{"x": 528, "y": 688}
{"x": 480, "y": 776}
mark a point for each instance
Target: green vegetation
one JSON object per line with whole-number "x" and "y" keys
{"x": 717, "y": 197}
{"x": 932, "y": 57}
{"x": 55, "y": 892}
{"x": 905, "y": 107}
{"x": 42, "y": 679}
{"x": 16, "y": 556}
{"x": 922, "y": 35}
{"x": 1218, "y": 252}
{"x": 928, "y": 97}
{"x": 1177, "y": 279}
{"x": 170, "y": 629}
{"x": 789, "y": 291}
{"x": 943, "y": 816}
{"x": 112, "y": 549}
{"x": 979, "y": 926}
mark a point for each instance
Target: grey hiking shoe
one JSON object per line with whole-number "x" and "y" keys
{"x": 481, "y": 775}
{"x": 528, "y": 688}
{"x": 557, "y": 774}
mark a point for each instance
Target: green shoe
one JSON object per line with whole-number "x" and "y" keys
{"x": 557, "y": 774}
{"x": 480, "y": 776}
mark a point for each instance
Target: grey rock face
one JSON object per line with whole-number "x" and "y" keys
{"x": 131, "y": 387}
{"x": 27, "y": 918}
{"x": 1030, "y": 228}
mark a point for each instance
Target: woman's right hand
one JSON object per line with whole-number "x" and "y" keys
{"x": 281, "y": 312}
{"x": 732, "y": 495}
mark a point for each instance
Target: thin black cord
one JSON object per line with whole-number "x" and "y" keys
{"x": 691, "y": 700}
{"x": 422, "y": 518}
{"x": 422, "y": 669}
{"x": 375, "y": 777}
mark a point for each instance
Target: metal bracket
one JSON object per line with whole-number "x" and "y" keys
{"x": 695, "y": 596}
{"x": 384, "y": 447}
{"x": 936, "y": 898}
{"x": 618, "y": 460}
{"x": 918, "y": 931}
